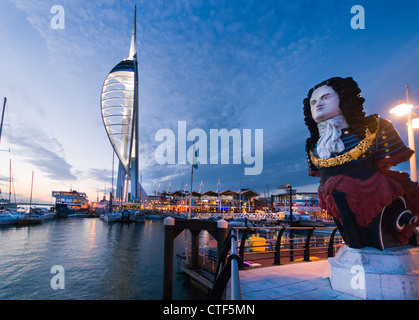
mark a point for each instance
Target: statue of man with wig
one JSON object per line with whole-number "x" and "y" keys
{"x": 372, "y": 205}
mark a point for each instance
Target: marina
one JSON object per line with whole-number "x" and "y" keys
{"x": 191, "y": 229}
{"x": 254, "y": 247}
{"x": 101, "y": 261}
{"x": 215, "y": 93}
{"x": 87, "y": 247}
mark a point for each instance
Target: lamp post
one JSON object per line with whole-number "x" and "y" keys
{"x": 288, "y": 186}
{"x": 407, "y": 109}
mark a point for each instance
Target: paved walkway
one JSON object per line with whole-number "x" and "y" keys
{"x": 297, "y": 281}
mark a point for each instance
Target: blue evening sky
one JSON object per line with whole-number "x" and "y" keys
{"x": 214, "y": 64}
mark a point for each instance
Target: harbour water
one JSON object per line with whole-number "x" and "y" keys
{"x": 100, "y": 261}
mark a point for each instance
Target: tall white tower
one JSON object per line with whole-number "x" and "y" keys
{"x": 119, "y": 106}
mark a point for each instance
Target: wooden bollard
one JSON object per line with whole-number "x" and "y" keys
{"x": 169, "y": 235}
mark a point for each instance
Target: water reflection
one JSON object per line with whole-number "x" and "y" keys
{"x": 101, "y": 261}
{"x": 92, "y": 235}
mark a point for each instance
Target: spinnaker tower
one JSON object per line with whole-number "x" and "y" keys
{"x": 119, "y": 106}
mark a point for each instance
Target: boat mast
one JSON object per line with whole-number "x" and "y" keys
{"x": 190, "y": 193}
{"x": 10, "y": 182}
{"x": 194, "y": 163}
{"x": 30, "y": 201}
{"x": 2, "y": 116}
{"x": 111, "y": 194}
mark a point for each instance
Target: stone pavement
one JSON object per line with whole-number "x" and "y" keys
{"x": 297, "y": 281}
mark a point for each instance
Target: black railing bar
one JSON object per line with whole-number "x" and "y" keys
{"x": 280, "y": 227}
{"x": 295, "y": 244}
{"x": 235, "y": 291}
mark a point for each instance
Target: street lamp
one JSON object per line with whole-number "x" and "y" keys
{"x": 288, "y": 186}
{"x": 407, "y": 109}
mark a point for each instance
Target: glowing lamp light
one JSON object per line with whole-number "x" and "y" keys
{"x": 402, "y": 109}
{"x": 407, "y": 110}
{"x": 415, "y": 123}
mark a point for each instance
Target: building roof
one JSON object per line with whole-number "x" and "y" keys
{"x": 229, "y": 192}
{"x": 210, "y": 193}
{"x": 194, "y": 194}
{"x": 178, "y": 193}
{"x": 249, "y": 193}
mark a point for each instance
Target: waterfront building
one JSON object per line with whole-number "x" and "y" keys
{"x": 227, "y": 201}
{"x": 68, "y": 202}
{"x": 119, "y": 106}
{"x": 298, "y": 198}
{"x": 304, "y": 200}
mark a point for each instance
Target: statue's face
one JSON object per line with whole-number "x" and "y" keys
{"x": 324, "y": 104}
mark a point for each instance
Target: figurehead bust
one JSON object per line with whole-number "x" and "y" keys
{"x": 352, "y": 154}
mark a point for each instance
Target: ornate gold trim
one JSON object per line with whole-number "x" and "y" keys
{"x": 352, "y": 154}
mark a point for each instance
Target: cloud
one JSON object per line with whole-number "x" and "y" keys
{"x": 43, "y": 152}
{"x": 205, "y": 67}
{"x": 218, "y": 64}
{"x": 99, "y": 175}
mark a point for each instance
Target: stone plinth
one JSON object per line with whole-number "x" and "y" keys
{"x": 369, "y": 273}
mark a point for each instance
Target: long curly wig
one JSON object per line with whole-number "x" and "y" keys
{"x": 350, "y": 104}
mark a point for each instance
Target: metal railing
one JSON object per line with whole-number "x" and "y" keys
{"x": 287, "y": 244}
{"x": 227, "y": 269}
{"x": 293, "y": 245}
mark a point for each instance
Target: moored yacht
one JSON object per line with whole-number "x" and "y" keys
{"x": 33, "y": 217}
{"x": 8, "y": 217}
{"x": 111, "y": 216}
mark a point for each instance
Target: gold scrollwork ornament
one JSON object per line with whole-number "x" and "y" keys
{"x": 352, "y": 154}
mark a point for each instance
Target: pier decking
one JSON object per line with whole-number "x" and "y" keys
{"x": 296, "y": 281}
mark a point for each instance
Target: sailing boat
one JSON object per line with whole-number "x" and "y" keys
{"x": 4, "y": 203}
{"x": 8, "y": 210}
{"x": 33, "y": 217}
{"x": 7, "y": 203}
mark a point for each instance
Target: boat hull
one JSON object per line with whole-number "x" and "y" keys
{"x": 62, "y": 211}
{"x": 48, "y": 215}
{"x": 29, "y": 221}
{"x": 111, "y": 217}
{"x": 4, "y": 221}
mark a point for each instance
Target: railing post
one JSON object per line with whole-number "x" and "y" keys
{"x": 169, "y": 232}
{"x": 242, "y": 245}
{"x": 235, "y": 278}
{"x": 194, "y": 248}
{"x": 291, "y": 245}
{"x": 222, "y": 231}
{"x": 307, "y": 245}
{"x": 227, "y": 271}
{"x": 330, "y": 251}
{"x": 277, "y": 257}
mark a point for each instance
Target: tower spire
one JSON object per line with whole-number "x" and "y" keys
{"x": 133, "y": 47}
